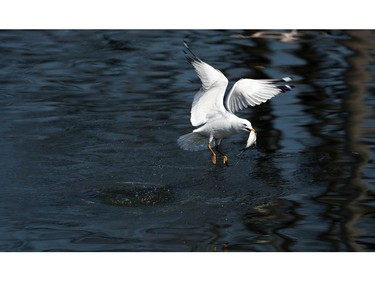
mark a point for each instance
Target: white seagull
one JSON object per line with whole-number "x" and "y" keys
{"x": 213, "y": 110}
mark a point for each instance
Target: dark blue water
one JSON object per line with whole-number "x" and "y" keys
{"x": 90, "y": 119}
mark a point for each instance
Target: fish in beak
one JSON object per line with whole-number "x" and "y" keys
{"x": 251, "y": 139}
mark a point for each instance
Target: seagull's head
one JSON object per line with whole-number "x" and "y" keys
{"x": 246, "y": 126}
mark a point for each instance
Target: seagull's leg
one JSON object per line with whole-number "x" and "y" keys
{"x": 213, "y": 153}
{"x": 225, "y": 160}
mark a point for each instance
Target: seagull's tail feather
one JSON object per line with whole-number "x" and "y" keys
{"x": 192, "y": 142}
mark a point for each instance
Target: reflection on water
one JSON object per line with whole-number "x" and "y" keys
{"x": 90, "y": 121}
{"x": 340, "y": 127}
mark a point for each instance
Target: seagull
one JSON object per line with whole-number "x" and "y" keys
{"x": 212, "y": 111}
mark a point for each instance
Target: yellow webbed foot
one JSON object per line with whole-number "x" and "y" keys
{"x": 214, "y": 159}
{"x": 213, "y": 154}
{"x": 226, "y": 160}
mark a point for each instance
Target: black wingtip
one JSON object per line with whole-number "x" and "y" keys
{"x": 190, "y": 56}
{"x": 281, "y": 84}
{"x": 190, "y": 59}
{"x": 285, "y": 88}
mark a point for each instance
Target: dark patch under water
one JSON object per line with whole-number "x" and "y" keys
{"x": 90, "y": 119}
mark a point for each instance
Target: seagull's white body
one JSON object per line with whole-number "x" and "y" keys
{"x": 213, "y": 111}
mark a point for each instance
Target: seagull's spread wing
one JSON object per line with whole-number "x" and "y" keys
{"x": 210, "y": 98}
{"x": 253, "y": 92}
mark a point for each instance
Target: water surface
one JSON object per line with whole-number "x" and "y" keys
{"x": 90, "y": 119}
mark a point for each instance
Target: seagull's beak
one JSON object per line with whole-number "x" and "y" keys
{"x": 249, "y": 130}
